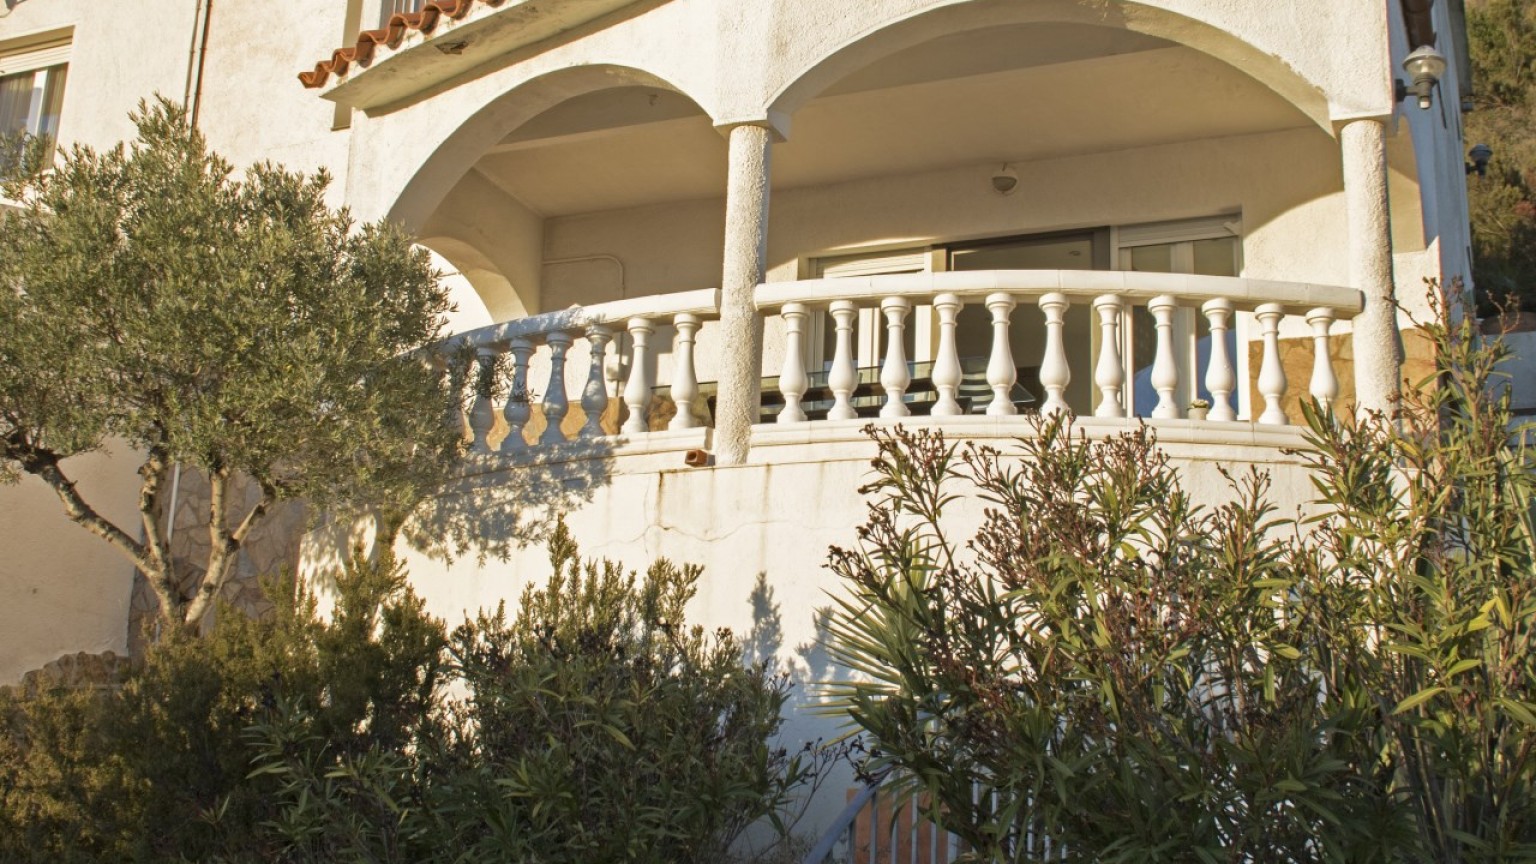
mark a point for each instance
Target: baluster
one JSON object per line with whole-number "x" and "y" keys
{"x": 637, "y": 393}
{"x": 1271, "y": 373}
{"x": 1325, "y": 385}
{"x": 1001, "y": 373}
{"x": 946, "y": 367}
{"x": 843, "y": 378}
{"x": 1165, "y": 369}
{"x": 482, "y": 416}
{"x": 555, "y": 402}
{"x": 594, "y": 396}
{"x": 1110, "y": 373}
{"x": 1220, "y": 378}
{"x": 685, "y": 380}
{"x": 792, "y": 379}
{"x": 453, "y": 411}
{"x": 517, "y": 410}
{"x": 895, "y": 377}
{"x": 1055, "y": 372}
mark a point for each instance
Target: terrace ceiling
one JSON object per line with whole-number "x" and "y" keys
{"x": 1016, "y": 94}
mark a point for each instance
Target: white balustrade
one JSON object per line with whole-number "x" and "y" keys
{"x": 685, "y": 379}
{"x": 843, "y": 378}
{"x": 637, "y": 392}
{"x": 1325, "y": 384}
{"x": 895, "y": 377}
{"x": 1055, "y": 373}
{"x": 482, "y": 416}
{"x": 907, "y": 387}
{"x": 792, "y": 378}
{"x": 1001, "y": 373}
{"x": 946, "y": 372}
{"x": 518, "y": 409}
{"x": 1271, "y": 371}
{"x": 1109, "y": 375}
{"x": 1165, "y": 367}
{"x": 1219, "y": 377}
{"x": 594, "y": 396}
{"x": 556, "y": 406}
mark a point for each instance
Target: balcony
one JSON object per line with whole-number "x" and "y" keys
{"x": 973, "y": 383}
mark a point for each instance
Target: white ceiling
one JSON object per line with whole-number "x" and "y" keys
{"x": 1007, "y": 94}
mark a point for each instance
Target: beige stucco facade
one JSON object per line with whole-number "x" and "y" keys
{"x": 645, "y": 154}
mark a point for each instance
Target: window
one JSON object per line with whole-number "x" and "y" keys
{"x": 391, "y": 7}
{"x": 32, "y": 90}
{"x": 1206, "y": 247}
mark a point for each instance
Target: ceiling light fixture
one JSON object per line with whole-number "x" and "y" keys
{"x": 1005, "y": 181}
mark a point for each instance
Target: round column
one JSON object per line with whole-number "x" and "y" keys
{"x": 741, "y": 327}
{"x": 1378, "y": 345}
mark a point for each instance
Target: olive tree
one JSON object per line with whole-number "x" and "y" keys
{"x": 154, "y": 299}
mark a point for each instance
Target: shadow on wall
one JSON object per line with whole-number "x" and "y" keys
{"x": 809, "y": 667}
{"x": 493, "y": 507}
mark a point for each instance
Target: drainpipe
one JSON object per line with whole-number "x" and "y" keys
{"x": 197, "y": 55}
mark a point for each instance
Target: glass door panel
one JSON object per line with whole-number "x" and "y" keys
{"x": 1078, "y": 251}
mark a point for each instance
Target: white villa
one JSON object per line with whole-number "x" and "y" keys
{"x": 709, "y": 240}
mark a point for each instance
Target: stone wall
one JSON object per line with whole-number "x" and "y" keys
{"x": 82, "y": 671}
{"x": 272, "y": 548}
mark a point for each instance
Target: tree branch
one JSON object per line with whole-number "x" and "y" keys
{"x": 44, "y": 464}
{"x": 162, "y": 578}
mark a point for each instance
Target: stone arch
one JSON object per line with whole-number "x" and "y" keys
{"x": 496, "y": 298}
{"x": 499, "y": 117}
{"x": 925, "y": 24}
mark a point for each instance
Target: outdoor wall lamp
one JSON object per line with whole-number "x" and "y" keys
{"x": 1005, "y": 181}
{"x": 1480, "y": 154}
{"x": 1425, "y": 66}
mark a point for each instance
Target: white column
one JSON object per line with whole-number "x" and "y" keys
{"x": 1325, "y": 384}
{"x": 1378, "y": 345}
{"x": 517, "y": 410}
{"x": 741, "y": 327}
{"x": 843, "y": 378}
{"x": 1219, "y": 377}
{"x": 895, "y": 377}
{"x": 792, "y": 378}
{"x": 637, "y": 392}
{"x": 594, "y": 396}
{"x": 482, "y": 416}
{"x": 1271, "y": 373}
{"x": 685, "y": 379}
{"x": 1001, "y": 373}
{"x": 1165, "y": 366}
{"x": 1109, "y": 374}
{"x": 1055, "y": 372}
{"x": 555, "y": 403}
{"x": 946, "y": 364}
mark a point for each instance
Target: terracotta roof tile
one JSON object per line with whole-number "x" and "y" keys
{"x": 389, "y": 35}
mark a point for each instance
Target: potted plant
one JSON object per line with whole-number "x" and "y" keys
{"x": 1199, "y": 408}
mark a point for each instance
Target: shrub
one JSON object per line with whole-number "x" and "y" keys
{"x": 595, "y": 725}
{"x": 600, "y": 726}
{"x": 1107, "y": 665}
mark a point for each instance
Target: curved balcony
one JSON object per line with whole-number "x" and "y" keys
{"x": 1188, "y": 350}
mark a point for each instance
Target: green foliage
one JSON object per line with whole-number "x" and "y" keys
{"x": 602, "y": 727}
{"x": 1502, "y": 39}
{"x": 594, "y": 726}
{"x": 1426, "y": 530}
{"x": 1105, "y": 663}
{"x": 160, "y": 770}
{"x": 233, "y": 325}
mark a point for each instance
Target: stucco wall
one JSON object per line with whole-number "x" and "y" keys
{"x": 64, "y": 590}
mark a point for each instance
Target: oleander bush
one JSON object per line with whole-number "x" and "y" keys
{"x": 1105, "y": 671}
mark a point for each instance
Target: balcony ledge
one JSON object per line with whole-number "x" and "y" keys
{"x": 418, "y": 51}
